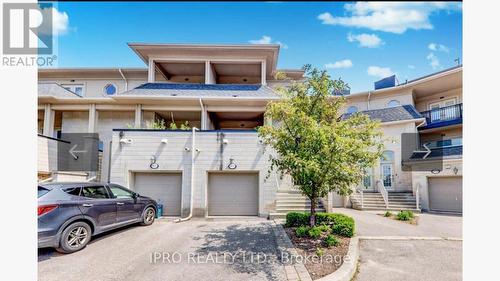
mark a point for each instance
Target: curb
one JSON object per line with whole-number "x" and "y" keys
{"x": 348, "y": 268}
{"x": 296, "y": 271}
{"x": 402, "y": 238}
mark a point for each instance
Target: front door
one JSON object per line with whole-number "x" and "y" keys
{"x": 387, "y": 175}
{"x": 98, "y": 205}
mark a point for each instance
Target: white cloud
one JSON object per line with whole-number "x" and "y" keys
{"x": 395, "y": 17}
{"x": 60, "y": 21}
{"x": 411, "y": 66}
{"x": 366, "y": 40}
{"x": 438, "y": 47}
{"x": 433, "y": 61}
{"x": 380, "y": 72}
{"x": 268, "y": 40}
{"x": 340, "y": 64}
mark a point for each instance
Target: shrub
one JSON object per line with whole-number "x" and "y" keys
{"x": 314, "y": 232}
{"x": 301, "y": 231}
{"x": 340, "y": 224}
{"x": 387, "y": 214}
{"x": 331, "y": 240}
{"x": 297, "y": 219}
{"x": 320, "y": 252}
{"x": 324, "y": 228}
{"x": 405, "y": 215}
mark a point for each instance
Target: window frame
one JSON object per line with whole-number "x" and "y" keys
{"x": 72, "y": 88}
{"x": 109, "y": 84}
{"x": 105, "y": 188}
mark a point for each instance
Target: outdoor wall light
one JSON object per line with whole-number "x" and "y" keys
{"x": 187, "y": 148}
{"x": 198, "y": 150}
{"x": 126, "y": 141}
{"x": 164, "y": 141}
{"x": 225, "y": 141}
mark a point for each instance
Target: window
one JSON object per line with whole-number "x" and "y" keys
{"x": 120, "y": 192}
{"x": 75, "y": 88}
{"x": 96, "y": 192}
{"x": 393, "y": 103}
{"x": 387, "y": 157}
{"x": 73, "y": 191}
{"x": 110, "y": 89}
{"x": 444, "y": 143}
{"x": 352, "y": 109}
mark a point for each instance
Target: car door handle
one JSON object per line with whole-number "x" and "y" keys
{"x": 87, "y": 205}
{"x": 119, "y": 203}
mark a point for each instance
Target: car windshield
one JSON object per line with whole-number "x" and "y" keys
{"x": 42, "y": 191}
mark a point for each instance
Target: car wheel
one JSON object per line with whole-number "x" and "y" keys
{"x": 74, "y": 237}
{"x": 148, "y": 217}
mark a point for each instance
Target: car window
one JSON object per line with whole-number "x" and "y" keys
{"x": 42, "y": 191}
{"x": 97, "y": 192}
{"x": 73, "y": 191}
{"x": 120, "y": 192}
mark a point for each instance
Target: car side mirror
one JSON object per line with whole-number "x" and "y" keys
{"x": 135, "y": 195}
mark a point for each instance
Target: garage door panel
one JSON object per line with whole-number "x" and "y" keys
{"x": 233, "y": 194}
{"x": 165, "y": 187}
{"x": 445, "y": 194}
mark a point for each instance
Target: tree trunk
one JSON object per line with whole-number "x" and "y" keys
{"x": 312, "y": 219}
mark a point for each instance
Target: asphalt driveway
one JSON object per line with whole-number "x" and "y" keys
{"x": 223, "y": 249}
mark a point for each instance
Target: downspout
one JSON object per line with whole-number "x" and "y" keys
{"x": 109, "y": 160}
{"x": 192, "y": 179}
{"x": 124, "y": 79}
{"x": 203, "y": 117}
{"x": 368, "y": 101}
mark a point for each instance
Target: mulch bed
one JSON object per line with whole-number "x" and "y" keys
{"x": 413, "y": 220}
{"x": 331, "y": 260}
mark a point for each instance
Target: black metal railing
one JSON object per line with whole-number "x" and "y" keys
{"x": 444, "y": 114}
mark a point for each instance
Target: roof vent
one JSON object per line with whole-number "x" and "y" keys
{"x": 386, "y": 82}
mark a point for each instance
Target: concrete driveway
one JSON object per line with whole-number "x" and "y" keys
{"x": 393, "y": 250}
{"x": 192, "y": 250}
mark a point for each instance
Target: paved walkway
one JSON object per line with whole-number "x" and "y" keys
{"x": 129, "y": 253}
{"x": 429, "y": 225}
{"x": 394, "y": 250}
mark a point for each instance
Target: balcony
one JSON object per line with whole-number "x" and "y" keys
{"x": 444, "y": 116}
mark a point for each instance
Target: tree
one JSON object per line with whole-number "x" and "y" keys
{"x": 316, "y": 145}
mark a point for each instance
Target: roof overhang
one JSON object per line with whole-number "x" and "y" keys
{"x": 237, "y": 53}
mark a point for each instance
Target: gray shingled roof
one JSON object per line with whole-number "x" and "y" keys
{"x": 398, "y": 113}
{"x": 55, "y": 90}
{"x": 200, "y": 90}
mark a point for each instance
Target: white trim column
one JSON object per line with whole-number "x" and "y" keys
{"x": 92, "y": 118}
{"x": 151, "y": 71}
{"x": 263, "y": 72}
{"x": 48, "y": 121}
{"x": 138, "y": 116}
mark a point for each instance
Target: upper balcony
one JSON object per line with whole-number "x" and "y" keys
{"x": 441, "y": 117}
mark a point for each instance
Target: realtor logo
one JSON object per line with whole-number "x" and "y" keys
{"x": 27, "y": 29}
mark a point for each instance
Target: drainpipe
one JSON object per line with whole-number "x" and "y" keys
{"x": 203, "y": 117}
{"x": 192, "y": 179}
{"x": 124, "y": 79}
{"x": 368, "y": 101}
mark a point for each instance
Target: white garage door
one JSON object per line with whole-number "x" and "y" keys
{"x": 165, "y": 188}
{"x": 233, "y": 194}
{"x": 445, "y": 194}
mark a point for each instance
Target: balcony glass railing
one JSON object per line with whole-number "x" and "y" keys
{"x": 443, "y": 116}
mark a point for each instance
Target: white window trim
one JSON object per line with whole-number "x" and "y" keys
{"x": 75, "y": 84}
{"x": 104, "y": 89}
{"x": 455, "y": 98}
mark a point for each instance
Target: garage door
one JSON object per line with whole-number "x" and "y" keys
{"x": 445, "y": 194}
{"x": 233, "y": 194}
{"x": 166, "y": 188}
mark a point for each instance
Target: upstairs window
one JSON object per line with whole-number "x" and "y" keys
{"x": 110, "y": 89}
{"x": 393, "y": 103}
{"x": 352, "y": 109}
{"x": 75, "y": 88}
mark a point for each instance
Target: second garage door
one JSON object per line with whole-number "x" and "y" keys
{"x": 163, "y": 187}
{"x": 445, "y": 194}
{"x": 233, "y": 194}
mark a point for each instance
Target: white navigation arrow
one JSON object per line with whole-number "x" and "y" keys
{"x": 73, "y": 152}
{"x": 427, "y": 151}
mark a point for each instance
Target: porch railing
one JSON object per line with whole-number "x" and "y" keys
{"x": 443, "y": 114}
{"x": 383, "y": 191}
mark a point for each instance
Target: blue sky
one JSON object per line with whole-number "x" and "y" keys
{"x": 359, "y": 42}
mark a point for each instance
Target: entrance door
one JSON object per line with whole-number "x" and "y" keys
{"x": 387, "y": 172}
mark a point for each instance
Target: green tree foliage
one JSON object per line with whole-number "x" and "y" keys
{"x": 320, "y": 149}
